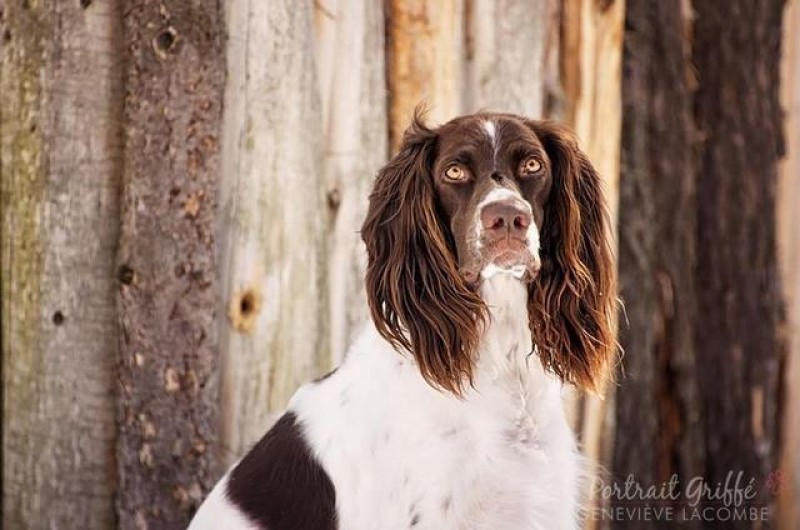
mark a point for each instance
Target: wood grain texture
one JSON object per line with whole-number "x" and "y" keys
{"x": 739, "y": 347}
{"x": 272, "y": 268}
{"x": 355, "y": 128}
{"x": 505, "y": 56}
{"x": 698, "y": 246}
{"x": 789, "y": 252}
{"x": 592, "y": 69}
{"x": 658, "y": 429}
{"x": 168, "y": 410}
{"x": 425, "y": 61}
{"x": 60, "y": 101}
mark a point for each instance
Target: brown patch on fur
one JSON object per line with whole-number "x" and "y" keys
{"x": 281, "y": 485}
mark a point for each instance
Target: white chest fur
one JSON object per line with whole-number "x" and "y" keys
{"x": 403, "y": 455}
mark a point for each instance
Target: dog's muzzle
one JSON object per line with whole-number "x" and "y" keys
{"x": 508, "y": 236}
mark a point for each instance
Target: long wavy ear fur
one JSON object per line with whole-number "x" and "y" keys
{"x": 417, "y": 298}
{"x": 572, "y": 304}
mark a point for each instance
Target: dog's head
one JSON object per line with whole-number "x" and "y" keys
{"x": 480, "y": 195}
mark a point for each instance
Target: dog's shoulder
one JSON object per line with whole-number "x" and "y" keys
{"x": 279, "y": 483}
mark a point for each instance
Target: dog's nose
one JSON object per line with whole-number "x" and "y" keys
{"x": 506, "y": 217}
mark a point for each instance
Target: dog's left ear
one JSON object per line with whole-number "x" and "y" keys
{"x": 573, "y": 302}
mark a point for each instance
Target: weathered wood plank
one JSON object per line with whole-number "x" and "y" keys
{"x": 60, "y": 97}
{"x": 425, "y": 61}
{"x": 789, "y": 248}
{"x": 355, "y": 148}
{"x": 167, "y": 299}
{"x": 505, "y": 56}
{"x": 272, "y": 267}
{"x": 592, "y": 70}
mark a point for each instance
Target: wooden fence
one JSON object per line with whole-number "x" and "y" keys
{"x": 183, "y": 184}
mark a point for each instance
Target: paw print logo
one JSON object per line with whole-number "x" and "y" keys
{"x": 774, "y": 481}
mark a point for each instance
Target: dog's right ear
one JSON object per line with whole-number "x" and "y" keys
{"x": 417, "y": 297}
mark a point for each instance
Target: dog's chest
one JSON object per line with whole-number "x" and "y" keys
{"x": 403, "y": 455}
{"x": 444, "y": 470}
{"x": 419, "y": 459}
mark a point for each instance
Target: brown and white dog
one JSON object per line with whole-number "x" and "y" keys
{"x": 491, "y": 284}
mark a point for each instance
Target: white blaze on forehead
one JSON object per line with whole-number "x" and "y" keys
{"x": 490, "y": 129}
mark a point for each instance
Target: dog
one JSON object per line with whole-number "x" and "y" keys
{"x": 491, "y": 286}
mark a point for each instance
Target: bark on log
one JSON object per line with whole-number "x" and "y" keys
{"x": 658, "y": 429}
{"x": 273, "y": 271}
{"x": 351, "y": 56}
{"x": 707, "y": 303}
{"x": 168, "y": 410}
{"x": 738, "y": 114}
{"x": 60, "y": 101}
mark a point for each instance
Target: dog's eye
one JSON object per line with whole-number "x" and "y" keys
{"x": 455, "y": 173}
{"x": 530, "y": 166}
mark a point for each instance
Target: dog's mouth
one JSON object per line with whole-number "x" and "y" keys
{"x": 507, "y": 256}
{"x": 507, "y": 253}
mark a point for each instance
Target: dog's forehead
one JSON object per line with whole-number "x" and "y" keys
{"x": 489, "y": 131}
